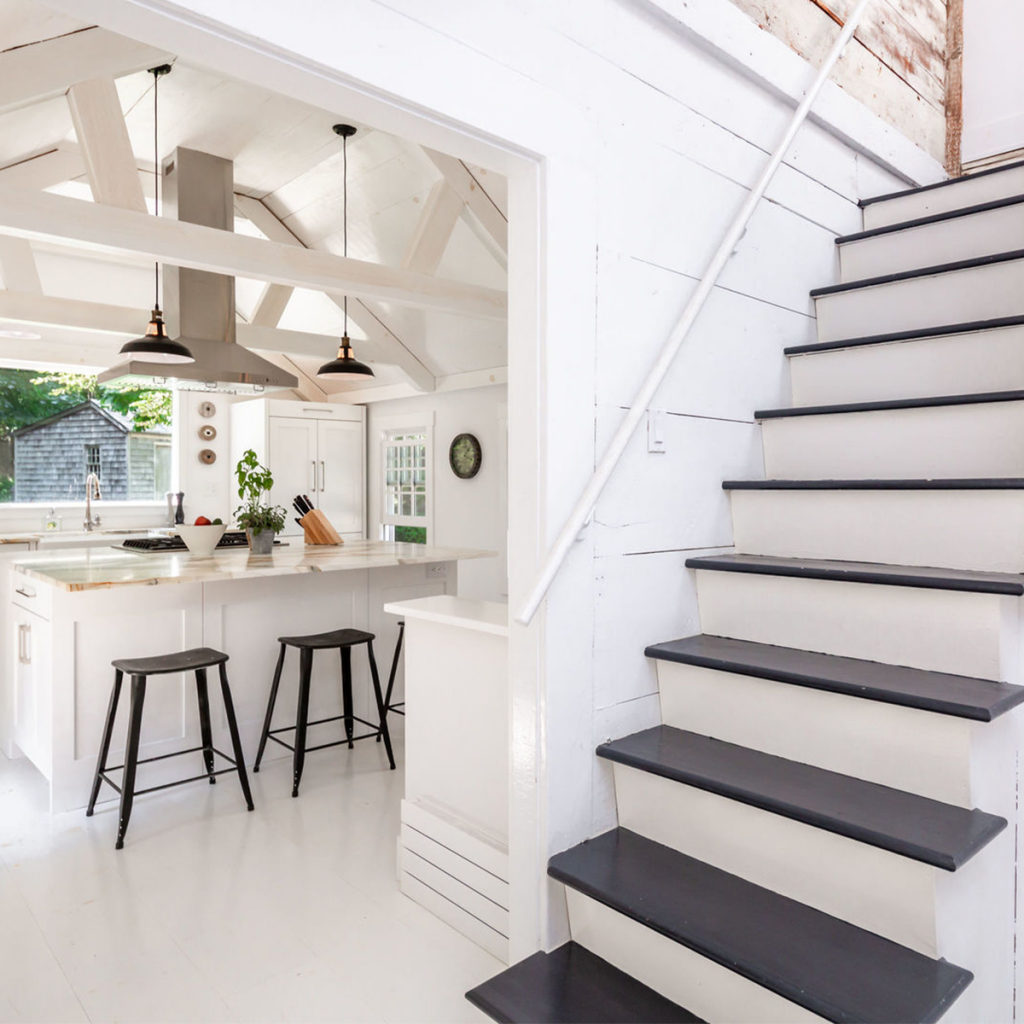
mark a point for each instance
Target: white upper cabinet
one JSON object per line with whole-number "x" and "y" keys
{"x": 311, "y": 448}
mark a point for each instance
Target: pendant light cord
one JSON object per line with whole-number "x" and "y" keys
{"x": 156, "y": 180}
{"x": 344, "y": 207}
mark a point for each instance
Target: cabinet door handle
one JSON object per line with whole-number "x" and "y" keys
{"x": 313, "y": 484}
{"x": 323, "y": 477}
{"x": 27, "y": 627}
{"x": 21, "y": 643}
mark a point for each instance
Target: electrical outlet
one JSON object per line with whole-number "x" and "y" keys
{"x": 437, "y": 571}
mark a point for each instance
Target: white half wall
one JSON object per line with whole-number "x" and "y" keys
{"x": 471, "y": 513}
{"x": 993, "y": 78}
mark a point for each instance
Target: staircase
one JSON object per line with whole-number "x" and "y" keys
{"x": 818, "y": 828}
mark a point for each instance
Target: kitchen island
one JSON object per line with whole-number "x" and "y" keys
{"x": 71, "y": 613}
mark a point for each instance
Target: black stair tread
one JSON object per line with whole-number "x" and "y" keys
{"x": 933, "y": 218}
{"x": 908, "y": 275}
{"x": 866, "y": 572}
{"x": 914, "y": 826}
{"x": 828, "y": 966}
{"x": 571, "y": 985}
{"x": 980, "y": 700}
{"x": 1012, "y": 483}
{"x": 944, "y": 330}
{"x": 939, "y": 184}
{"x": 934, "y": 401}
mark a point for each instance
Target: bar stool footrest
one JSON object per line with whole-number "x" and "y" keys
{"x": 163, "y": 757}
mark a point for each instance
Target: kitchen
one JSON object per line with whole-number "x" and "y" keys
{"x": 403, "y": 468}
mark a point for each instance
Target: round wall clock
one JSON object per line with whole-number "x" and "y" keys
{"x": 465, "y": 456}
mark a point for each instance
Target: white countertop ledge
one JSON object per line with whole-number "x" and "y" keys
{"x": 103, "y": 568}
{"x": 464, "y": 612}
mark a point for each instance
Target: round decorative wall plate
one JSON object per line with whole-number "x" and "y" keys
{"x": 465, "y": 456}
{"x": 207, "y": 409}
{"x": 207, "y": 432}
{"x": 207, "y": 456}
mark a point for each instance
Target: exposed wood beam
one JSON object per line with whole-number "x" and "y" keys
{"x": 44, "y": 170}
{"x": 98, "y": 318}
{"x": 18, "y": 266}
{"x": 434, "y": 229}
{"x": 366, "y": 318}
{"x": 448, "y": 382}
{"x": 106, "y": 149}
{"x": 49, "y": 68}
{"x": 270, "y": 306}
{"x": 472, "y": 193}
{"x": 50, "y": 217}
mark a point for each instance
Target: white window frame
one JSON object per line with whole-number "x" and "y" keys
{"x": 389, "y": 427}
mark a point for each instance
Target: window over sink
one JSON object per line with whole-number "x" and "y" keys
{"x": 405, "y": 466}
{"x": 58, "y": 427}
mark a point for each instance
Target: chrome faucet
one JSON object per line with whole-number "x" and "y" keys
{"x": 92, "y": 483}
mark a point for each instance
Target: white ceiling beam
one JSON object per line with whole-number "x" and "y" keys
{"x": 106, "y": 149}
{"x": 473, "y": 194}
{"x": 434, "y": 229}
{"x": 51, "y": 67}
{"x": 368, "y": 319}
{"x": 448, "y": 382}
{"x": 271, "y": 304}
{"x": 45, "y": 170}
{"x": 90, "y": 226}
{"x": 18, "y": 266}
{"x": 98, "y": 318}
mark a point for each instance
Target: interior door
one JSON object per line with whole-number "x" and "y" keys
{"x": 293, "y": 461}
{"x": 341, "y": 473}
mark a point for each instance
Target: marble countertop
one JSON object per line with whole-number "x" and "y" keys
{"x": 104, "y": 568}
{"x": 448, "y": 610}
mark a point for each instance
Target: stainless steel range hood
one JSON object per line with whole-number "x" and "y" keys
{"x": 199, "y": 306}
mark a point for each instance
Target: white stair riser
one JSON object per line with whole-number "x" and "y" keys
{"x": 954, "y": 297}
{"x": 872, "y": 888}
{"x": 916, "y": 751}
{"x": 941, "y": 630}
{"x": 705, "y": 988}
{"x": 957, "y": 529}
{"x": 933, "y": 442}
{"x": 962, "y": 364}
{"x": 946, "y": 241}
{"x": 971, "y": 192}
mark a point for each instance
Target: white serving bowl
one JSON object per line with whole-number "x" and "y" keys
{"x": 201, "y": 540}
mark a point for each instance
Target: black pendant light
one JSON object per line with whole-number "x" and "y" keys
{"x": 345, "y": 366}
{"x": 156, "y": 347}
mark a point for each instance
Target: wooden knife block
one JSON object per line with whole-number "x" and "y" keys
{"x": 318, "y": 529}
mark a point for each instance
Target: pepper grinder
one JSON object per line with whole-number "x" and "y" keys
{"x": 179, "y": 512}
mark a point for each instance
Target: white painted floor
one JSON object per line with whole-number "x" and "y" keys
{"x": 290, "y": 913}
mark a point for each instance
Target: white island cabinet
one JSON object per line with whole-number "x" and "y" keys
{"x": 312, "y": 448}
{"x": 453, "y": 848}
{"x": 71, "y": 613}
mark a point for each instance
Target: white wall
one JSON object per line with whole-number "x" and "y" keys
{"x": 993, "y": 78}
{"x": 467, "y": 513}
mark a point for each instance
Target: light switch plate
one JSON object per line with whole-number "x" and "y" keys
{"x": 656, "y": 431}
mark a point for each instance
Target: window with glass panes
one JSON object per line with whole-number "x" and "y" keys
{"x": 405, "y": 478}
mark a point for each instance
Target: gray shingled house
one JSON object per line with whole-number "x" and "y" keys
{"x": 53, "y": 457}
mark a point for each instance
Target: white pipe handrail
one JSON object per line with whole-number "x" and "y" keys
{"x": 584, "y": 509}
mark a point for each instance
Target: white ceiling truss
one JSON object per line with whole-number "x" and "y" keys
{"x": 428, "y": 234}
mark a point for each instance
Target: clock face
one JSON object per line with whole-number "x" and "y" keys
{"x": 465, "y": 456}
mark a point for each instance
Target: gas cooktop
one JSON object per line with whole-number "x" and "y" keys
{"x": 231, "y": 539}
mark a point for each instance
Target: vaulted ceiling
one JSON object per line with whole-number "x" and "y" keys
{"x": 408, "y": 208}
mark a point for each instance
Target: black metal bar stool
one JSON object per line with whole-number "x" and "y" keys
{"x": 339, "y": 639}
{"x": 197, "y": 660}
{"x": 399, "y": 708}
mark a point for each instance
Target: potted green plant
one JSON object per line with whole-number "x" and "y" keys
{"x": 260, "y": 520}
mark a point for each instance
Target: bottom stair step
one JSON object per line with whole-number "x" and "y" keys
{"x": 570, "y": 985}
{"x": 828, "y": 966}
